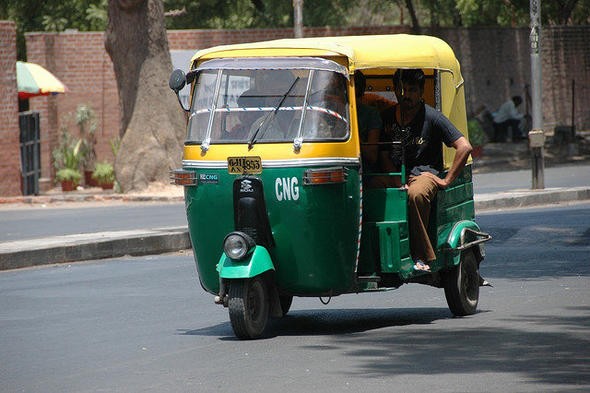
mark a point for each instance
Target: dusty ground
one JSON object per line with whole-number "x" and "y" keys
{"x": 498, "y": 157}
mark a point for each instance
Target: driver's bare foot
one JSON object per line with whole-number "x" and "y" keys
{"x": 421, "y": 266}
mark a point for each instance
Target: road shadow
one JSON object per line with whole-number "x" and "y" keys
{"x": 558, "y": 356}
{"x": 334, "y": 321}
{"x": 538, "y": 349}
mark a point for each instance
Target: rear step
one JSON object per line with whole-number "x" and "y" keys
{"x": 368, "y": 279}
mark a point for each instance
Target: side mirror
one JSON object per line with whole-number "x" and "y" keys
{"x": 177, "y": 80}
{"x": 176, "y": 83}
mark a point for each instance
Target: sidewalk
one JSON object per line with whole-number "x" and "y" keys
{"x": 501, "y": 181}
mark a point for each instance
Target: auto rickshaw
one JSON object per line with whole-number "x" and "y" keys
{"x": 273, "y": 176}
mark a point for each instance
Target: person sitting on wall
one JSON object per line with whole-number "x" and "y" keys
{"x": 507, "y": 117}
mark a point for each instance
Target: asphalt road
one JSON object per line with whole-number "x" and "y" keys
{"x": 145, "y": 325}
{"x": 37, "y": 221}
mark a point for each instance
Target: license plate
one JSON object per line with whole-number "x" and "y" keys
{"x": 244, "y": 165}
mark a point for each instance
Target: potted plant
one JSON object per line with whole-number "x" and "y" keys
{"x": 477, "y": 137}
{"x": 66, "y": 160}
{"x": 86, "y": 122}
{"x": 69, "y": 178}
{"x": 104, "y": 174}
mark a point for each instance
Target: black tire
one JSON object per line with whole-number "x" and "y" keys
{"x": 249, "y": 306}
{"x": 286, "y": 302}
{"x": 462, "y": 285}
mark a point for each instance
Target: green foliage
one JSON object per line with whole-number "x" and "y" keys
{"x": 104, "y": 173}
{"x": 68, "y": 154}
{"x": 68, "y": 174}
{"x": 115, "y": 145}
{"x": 86, "y": 122}
{"x": 91, "y": 15}
{"x": 477, "y": 136}
{"x": 40, "y": 15}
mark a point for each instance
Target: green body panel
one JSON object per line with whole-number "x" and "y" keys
{"x": 454, "y": 204}
{"x": 315, "y": 228}
{"x": 395, "y": 246}
{"x": 385, "y": 245}
{"x": 256, "y": 263}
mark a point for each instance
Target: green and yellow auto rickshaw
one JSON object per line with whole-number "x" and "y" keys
{"x": 273, "y": 176}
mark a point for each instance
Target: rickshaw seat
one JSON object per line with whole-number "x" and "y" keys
{"x": 385, "y": 204}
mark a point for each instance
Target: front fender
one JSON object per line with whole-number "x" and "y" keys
{"x": 256, "y": 263}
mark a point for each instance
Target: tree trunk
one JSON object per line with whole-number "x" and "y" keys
{"x": 413, "y": 16}
{"x": 152, "y": 126}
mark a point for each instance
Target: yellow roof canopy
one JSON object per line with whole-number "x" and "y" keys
{"x": 363, "y": 52}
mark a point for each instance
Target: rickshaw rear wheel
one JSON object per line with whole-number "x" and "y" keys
{"x": 286, "y": 302}
{"x": 249, "y": 306}
{"x": 461, "y": 285}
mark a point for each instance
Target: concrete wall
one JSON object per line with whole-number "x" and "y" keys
{"x": 9, "y": 130}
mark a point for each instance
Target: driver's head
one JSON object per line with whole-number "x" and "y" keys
{"x": 409, "y": 87}
{"x": 517, "y": 100}
{"x": 414, "y": 76}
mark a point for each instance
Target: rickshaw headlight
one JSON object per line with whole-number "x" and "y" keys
{"x": 237, "y": 245}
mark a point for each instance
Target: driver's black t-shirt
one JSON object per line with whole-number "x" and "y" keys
{"x": 422, "y": 138}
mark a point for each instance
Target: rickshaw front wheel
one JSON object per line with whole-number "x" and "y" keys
{"x": 461, "y": 285}
{"x": 249, "y": 307}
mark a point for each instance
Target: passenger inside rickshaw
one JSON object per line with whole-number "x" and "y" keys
{"x": 326, "y": 112}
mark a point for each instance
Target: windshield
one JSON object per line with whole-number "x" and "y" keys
{"x": 268, "y": 105}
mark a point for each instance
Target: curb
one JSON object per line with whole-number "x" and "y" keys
{"x": 529, "y": 198}
{"x": 47, "y": 199}
{"x": 80, "y": 247}
{"x": 113, "y": 244}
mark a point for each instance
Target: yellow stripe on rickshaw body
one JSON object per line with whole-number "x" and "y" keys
{"x": 347, "y": 151}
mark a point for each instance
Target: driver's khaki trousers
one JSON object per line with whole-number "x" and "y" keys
{"x": 421, "y": 192}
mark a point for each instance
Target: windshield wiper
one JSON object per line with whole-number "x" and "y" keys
{"x": 271, "y": 115}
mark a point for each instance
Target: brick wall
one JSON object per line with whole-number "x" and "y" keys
{"x": 80, "y": 61}
{"x": 566, "y": 58}
{"x": 495, "y": 64}
{"x": 9, "y": 131}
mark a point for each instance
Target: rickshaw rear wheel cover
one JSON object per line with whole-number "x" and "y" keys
{"x": 461, "y": 284}
{"x": 249, "y": 307}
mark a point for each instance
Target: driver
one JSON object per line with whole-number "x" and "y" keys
{"x": 422, "y": 129}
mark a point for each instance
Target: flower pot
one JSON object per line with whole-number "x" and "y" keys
{"x": 107, "y": 186}
{"x": 88, "y": 180}
{"x": 68, "y": 185}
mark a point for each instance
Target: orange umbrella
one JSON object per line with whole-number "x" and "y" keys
{"x": 33, "y": 80}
